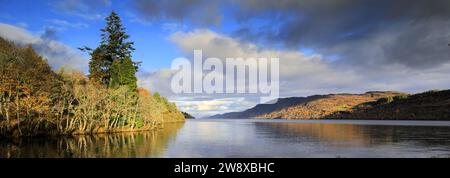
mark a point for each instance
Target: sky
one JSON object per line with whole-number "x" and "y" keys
{"x": 324, "y": 46}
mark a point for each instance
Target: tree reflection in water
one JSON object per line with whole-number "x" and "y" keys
{"x": 118, "y": 145}
{"x": 346, "y": 135}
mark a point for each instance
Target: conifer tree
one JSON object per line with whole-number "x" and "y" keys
{"x": 123, "y": 74}
{"x": 98, "y": 68}
{"x": 111, "y": 62}
{"x": 114, "y": 38}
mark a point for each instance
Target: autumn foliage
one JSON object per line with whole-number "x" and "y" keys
{"x": 34, "y": 100}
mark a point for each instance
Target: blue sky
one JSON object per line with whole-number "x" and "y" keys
{"x": 324, "y": 46}
{"x": 80, "y": 26}
{"x": 152, "y": 45}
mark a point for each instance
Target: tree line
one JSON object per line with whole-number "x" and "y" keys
{"x": 35, "y": 100}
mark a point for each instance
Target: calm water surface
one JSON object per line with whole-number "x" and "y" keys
{"x": 252, "y": 138}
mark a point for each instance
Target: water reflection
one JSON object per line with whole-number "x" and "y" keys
{"x": 120, "y": 145}
{"x": 362, "y": 135}
{"x": 250, "y": 138}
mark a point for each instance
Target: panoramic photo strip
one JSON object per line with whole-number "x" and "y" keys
{"x": 223, "y": 87}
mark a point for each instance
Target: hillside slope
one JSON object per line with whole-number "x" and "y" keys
{"x": 35, "y": 100}
{"x": 432, "y": 105}
{"x": 322, "y": 108}
{"x": 307, "y": 107}
{"x": 187, "y": 115}
{"x": 261, "y": 109}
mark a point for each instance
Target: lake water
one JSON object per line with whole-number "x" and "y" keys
{"x": 252, "y": 138}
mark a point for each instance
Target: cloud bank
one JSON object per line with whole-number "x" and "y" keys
{"x": 300, "y": 74}
{"x": 353, "y": 45}
{"x": 363, "y": 32}
{"x": 57, "y": 54}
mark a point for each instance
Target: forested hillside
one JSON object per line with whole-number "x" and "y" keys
{"x": 431, "y": 105}
{"x": 34, "y": 100}
{"x": 323, "y": 106}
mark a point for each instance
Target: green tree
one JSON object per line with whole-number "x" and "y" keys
{"x": 123, "y": 74}
{"x": 114, "y": 38}
{"x": 98, "y": 67}
{"x": 111, "y": 62}
{"x": 163, "y": 100}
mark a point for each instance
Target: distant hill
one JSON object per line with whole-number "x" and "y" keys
{"x": 187, "y": 115}
{"x": 431, "y": 105}
{"x": 325, "y": 106}
{"x": 370, "y": 105}
{"x": 261, "y": 109}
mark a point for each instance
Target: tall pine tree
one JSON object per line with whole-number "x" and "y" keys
{"x": 111, "y": 62}
{"x": 98, "y": 67}
{"x": 123, "y": 74}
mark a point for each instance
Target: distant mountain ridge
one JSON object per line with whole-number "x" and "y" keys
{"x": 282, "y": 103}
{"x": 265, "y": 108}
{"x": 370, "y": 105}
{"x": 431, "y": 105}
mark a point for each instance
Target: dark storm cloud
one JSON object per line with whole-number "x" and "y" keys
{"x": 196, "y": 11}
{"x": 341, "y": 27}
{"x": 418, "y": 45}
{"x": 344, "y": 26}
{"x": 319, "y": 22}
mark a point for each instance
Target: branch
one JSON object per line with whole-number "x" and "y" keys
{"x": 85, "y": 49}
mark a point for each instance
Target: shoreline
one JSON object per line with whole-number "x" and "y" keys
{"x": 114, "y": 131}
{"x": 443, "y": 123}
{"x": 336, "y": 119}
{"x": 333, "y": 119}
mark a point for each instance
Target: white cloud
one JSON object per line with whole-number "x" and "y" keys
{"x": 57, "y": 54}
{"x": 300, "y": 74}
{"x": 158, "y": 81}
{"x": 212, "y": 106}
{"x": 305, "y": 72}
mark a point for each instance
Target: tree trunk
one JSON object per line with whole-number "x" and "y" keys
{"x": 18, "y": 112}
{"x": 7, "y": 118}
{"x": 1, "y": 104}
{"x": 7, "y": 108}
